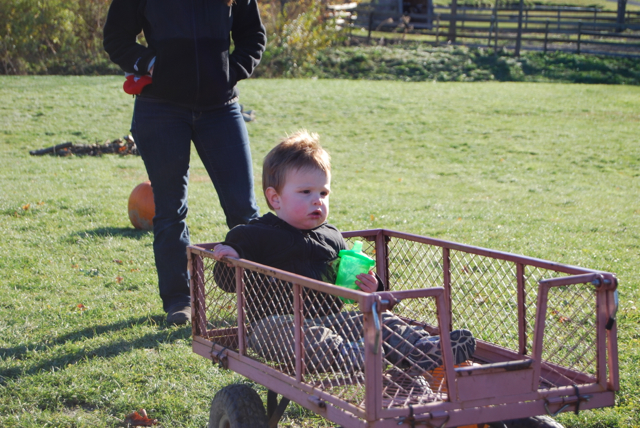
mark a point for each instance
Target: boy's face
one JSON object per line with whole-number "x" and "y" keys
{"x": 303, "y": 201}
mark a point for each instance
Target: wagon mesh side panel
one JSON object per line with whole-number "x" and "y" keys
{"x": 404, "y": 382}
{"x": 333, "y": 348}
{"x": 337, "y": 366}
{"x": 414, "y": 265}
{"x": 484, "y": 298}
{"x": 570, "y": 347}
{"x": 270, "y": 336}
{"x": 532, "y": 275}
{"x": 220, "y": 321}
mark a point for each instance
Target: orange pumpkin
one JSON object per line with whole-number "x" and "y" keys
{"x": 435, "y": 377}
{"x": 142, "y": 207}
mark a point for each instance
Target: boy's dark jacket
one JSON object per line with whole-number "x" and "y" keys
{"x": 190, "y": 41}
{"x": 273, "y": 242}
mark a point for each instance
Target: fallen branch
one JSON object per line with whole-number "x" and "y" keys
{"x": 52, "y": 150}
{"x": 122, "y": 146}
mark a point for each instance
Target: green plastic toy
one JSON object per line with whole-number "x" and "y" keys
{"x": 353, "y": 262}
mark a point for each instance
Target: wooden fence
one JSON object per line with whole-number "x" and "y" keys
{"x": 542, "y": 28}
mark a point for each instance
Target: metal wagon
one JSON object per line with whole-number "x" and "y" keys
{"x": 545, "y": 334}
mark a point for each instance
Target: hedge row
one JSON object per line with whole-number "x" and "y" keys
{"x": 459, "y": 63}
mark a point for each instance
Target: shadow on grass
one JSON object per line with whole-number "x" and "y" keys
{"x": 163, "y": 334}
{"x": 106, "y": 232}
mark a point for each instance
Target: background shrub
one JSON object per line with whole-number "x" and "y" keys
{"x": 297, "y": 32}
{"x": 53, "y": 37}
{"x": 65, "y": 36}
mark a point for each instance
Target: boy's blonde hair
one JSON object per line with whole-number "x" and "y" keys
{"x": 301, "y": 150}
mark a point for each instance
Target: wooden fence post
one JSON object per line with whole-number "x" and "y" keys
{"x": 452, "y": 21}
{"x": 493, "y": 19}
{"x": 519, "y": 36}
{"x": 579, "y": 34}
{"x": 622, "y": 7}
{"x": 546, "y": 36}
{"x": 370, "y": 25}
{"x": 495, "y": 45}
{"x": 438, "y": 30}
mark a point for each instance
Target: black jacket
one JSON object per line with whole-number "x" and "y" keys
{"x": 190, "y": 40}
{"x": 271, "y": 241}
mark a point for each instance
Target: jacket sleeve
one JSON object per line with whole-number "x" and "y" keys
{"x": 249, "y": 38}
{"x": 124, "y": 23}
{"x": 225, "y": 276}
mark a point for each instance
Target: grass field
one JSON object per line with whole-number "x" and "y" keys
{"x": 545, "y": 170}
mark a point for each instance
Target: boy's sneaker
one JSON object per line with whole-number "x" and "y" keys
{"x": 427, "y": 354}
{"x": 179, "y": 315}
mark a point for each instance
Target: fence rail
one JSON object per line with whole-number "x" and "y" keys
{"x": 542, "y": 28}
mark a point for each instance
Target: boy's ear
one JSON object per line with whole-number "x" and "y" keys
{"x": 273, "y": 197}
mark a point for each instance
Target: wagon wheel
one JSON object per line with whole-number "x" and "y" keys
{"x": 237, "y": 406}
{"x": 532, "y": 422}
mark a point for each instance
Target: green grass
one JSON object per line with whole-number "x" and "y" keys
{"x": 544, "y": 170}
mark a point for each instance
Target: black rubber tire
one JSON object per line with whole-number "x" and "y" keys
{"x": 237, "y": 406}
{"x": 532, "y": 422}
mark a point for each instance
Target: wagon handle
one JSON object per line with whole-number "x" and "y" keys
{"x": 376, "y": 322}
{"x": 612, "y": 317}
{"x": 554, "y": 414}
{"x": 577, "y": 400}
{"x": 219, "y": 357}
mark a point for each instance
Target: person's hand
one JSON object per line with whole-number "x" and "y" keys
{"x": 367, "y": 282}
{"x": 220, "y": 251}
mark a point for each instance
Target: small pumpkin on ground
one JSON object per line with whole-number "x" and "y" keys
{"x": 142, "y": 207}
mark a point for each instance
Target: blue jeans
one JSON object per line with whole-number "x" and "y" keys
{"x": 163, "y": 133}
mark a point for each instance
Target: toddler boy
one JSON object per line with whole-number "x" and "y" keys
{"x": 296, "y": 180}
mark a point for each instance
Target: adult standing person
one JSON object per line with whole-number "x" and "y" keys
{"x": 185, "y": 86}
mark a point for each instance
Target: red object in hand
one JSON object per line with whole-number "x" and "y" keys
{"x": 133, "y": 84}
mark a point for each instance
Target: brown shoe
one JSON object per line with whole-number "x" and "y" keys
{"x": 179, "y": 315}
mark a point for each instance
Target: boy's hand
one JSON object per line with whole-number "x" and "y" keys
{"x": 367, "y": 282}
{"x": 220, "y": 251}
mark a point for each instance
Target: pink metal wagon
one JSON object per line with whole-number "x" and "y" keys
{"x": 546, "y": 338}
